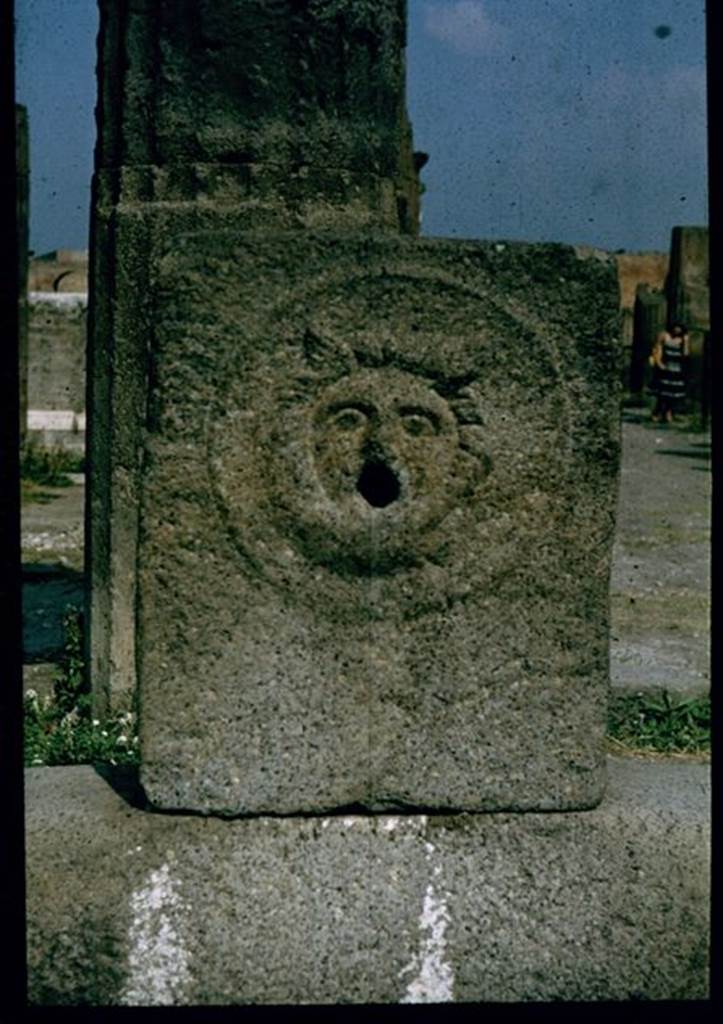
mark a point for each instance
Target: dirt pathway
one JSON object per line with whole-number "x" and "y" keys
{"x": 660, "y": 586}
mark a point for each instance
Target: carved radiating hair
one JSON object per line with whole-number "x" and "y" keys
{"x": 321, "y": 360}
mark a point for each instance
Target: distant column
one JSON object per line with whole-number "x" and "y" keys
{"x": 649, "y": 315}
{"x": 707, "y": 388}
{"x": 687, "y": 288}
{"x": 22, "y": 164}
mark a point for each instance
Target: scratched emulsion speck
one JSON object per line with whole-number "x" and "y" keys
{"x": 158, "y": 962}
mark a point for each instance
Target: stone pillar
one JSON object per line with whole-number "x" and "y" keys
{"x": 687, "y": 288}
{"x": 649, "y": 318}
{"x": 276, "y": 114}
{"x": 352, "y": 493}
{"x": 22, "y": 165}
{"x": 707, "y": 382}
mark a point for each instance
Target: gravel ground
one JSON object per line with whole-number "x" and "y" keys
{"x": 660, "y": 587}
{"x": 660, "y": 579}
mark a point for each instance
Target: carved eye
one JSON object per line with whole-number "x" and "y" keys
{"x": 349, "y": 418}
{"x": 419, "y": 423}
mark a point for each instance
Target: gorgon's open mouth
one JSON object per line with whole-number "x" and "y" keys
{"x": 378, "y": 484}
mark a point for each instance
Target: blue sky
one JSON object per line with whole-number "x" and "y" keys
{"x": 579, "y": 121}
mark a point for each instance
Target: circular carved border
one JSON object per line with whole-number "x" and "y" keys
{"x": 356, "y": 382}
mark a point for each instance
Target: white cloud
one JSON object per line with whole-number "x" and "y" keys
{"x": 464, "y": 25}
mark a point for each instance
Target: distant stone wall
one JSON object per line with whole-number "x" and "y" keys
{"x": 687, "y": 289}
{"x": 634, "y": 269}
{"x": 22, "y": 179}
{"x": 650, "y": 316}
{"x": 56, "y": 352}
{"x": 62, "y": 270}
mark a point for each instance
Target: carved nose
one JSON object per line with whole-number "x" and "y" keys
{"x": 378, "y": 484}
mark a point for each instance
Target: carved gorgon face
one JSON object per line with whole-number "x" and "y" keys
{"x": 379, "y": 468}
{"x": 374, "y": 445}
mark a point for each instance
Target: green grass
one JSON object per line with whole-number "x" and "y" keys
{"x": 663, "y": 725}
{"x": 697, "y": 424}
{"x": 48, "y": 467}
{"x": 31, "y": 493}
{"x": 60, "y": 728}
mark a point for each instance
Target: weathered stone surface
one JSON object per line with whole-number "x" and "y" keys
{"x": 128, "y": 907}
{"x": 383, "y": 579}
{"x": 636, "y": 268}
{"x": 650, "y": 317}
{"x": 59, "y": 271}
{"x": 22, "y": 178}
{"x": 688, "y": 281}
{"x": 687, "y": 288}
{"x": 271, "y": 102}
{"x": 276, "y": 115}
{"x": 56, "y": 351}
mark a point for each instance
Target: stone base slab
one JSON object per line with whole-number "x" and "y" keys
{"x": 131, "y": 907}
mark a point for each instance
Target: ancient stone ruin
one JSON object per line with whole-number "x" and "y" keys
{"x": 412, "y": 521}
{"x": 264, "y": 118}
{"x": 669, "y": 289}
{"x": 367, "y": 482}
{"x": 351, "y": 508}
{"x": 687, "y": 288}
{"x": 22, "y": 171}
{"x": 650, "y": 318}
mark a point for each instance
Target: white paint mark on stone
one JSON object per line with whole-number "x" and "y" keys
{"x": 158, "y": 962}
{"x": 66, "y": 300}
{"x": 433, "y": 976}
{"x": 52, "y": 419}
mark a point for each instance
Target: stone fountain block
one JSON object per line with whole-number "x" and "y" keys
{"x": 376, "y": 514}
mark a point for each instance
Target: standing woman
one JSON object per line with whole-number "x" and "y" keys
{"x": 668, "y": 358}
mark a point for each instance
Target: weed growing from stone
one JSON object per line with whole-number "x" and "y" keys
{"x": 699, "y": 423}
{"x": 48, "y": 466}
{"x": 660, "y": 724}
{"x": 60, "y": 729}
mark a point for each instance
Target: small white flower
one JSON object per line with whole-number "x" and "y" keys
{"x": 96, "y": 723}
{"x": 122, "y": 739}
{"x": 37, "y": 760}
{"x": 103, "y": 732}
{"x": 31, "y": 695}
